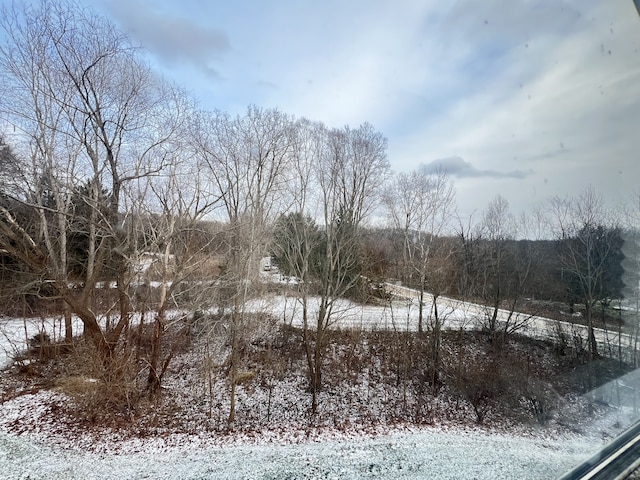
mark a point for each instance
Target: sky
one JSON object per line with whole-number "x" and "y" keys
{"x": 526, "y": 99}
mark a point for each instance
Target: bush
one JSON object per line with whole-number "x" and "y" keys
{"x": 101, "y": 389}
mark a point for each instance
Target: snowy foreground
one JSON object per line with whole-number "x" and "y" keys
{"x": 434, "y": 454}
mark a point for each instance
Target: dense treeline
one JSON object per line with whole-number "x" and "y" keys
{"x": 121, "y": 202}
{"x": 548, "y": 281}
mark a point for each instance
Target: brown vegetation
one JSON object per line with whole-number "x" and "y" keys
{"x": 371, "y": 379}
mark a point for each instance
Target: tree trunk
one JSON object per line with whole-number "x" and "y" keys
{"x": 593, "y": 344}
{"x": 234, "y": 362}
{"x": 420, "y": 308}
{"x": 68, "y": 324}
{"x": 316, "y": 374}
{"x": 309, "y": 354}
{"x": 436, "y": 345}
{"x": 153, "y": 380}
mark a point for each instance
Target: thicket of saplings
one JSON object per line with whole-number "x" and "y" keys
{"x": 369, "y": 377}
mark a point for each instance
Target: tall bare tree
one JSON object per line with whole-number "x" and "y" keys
{"x": 50, "y": 160}
{"x": 246, "y": 157}
{"x": 350, "y": 171}
{"x": 297, "y": 241}
{"x": 167, "y": 228}
{"x": 583, "y": 228}
{"x": 420, "y": 205}
{"x": 91, "y": 113}
{"x": 497, "y": 231}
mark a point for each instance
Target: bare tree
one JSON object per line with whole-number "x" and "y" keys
{"x": 526, "y": 258}
{"x": 92, "y": 115}
{"x": 333, "y": 179}
{"x": 50, "y": 165}
{"x": 497, "y": 230}
{"x": 351, "y": 169}
{"x": 501, "y": 256}
{"x": 583, "y": 228}
{"x": 246, "y": 158}
{"x": 420, "y": 205}
{"x": 165, "y": 214}
{"x": 297, "y": 240}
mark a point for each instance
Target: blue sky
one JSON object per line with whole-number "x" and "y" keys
{"x": 524, "y": 98}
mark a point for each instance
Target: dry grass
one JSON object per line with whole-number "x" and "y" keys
{"x": 78, "y": 386}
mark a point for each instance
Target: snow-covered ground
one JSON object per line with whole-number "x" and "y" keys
{"x": 402, "y": 315}
{"x": 437, "y": 452}
{"x": 452, "y": 454}
{"x": 532, "y": 326}
{"x": 16, "y": 332}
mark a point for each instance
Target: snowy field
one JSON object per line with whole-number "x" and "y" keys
{"x": 428, "y": 454}
{"x": 402, "y": 315}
